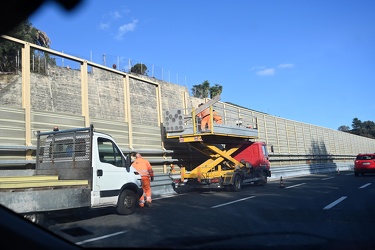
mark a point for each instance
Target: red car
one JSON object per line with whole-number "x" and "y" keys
{"x": 364, "y": 163}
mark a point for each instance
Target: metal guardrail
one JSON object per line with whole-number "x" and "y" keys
{"x": 153, "y": 160}
{"x": 16, "y": 162}
{"x": 16, "y": 148}
{"x": 306, "y": 169}
{"x": 162, "y": 185}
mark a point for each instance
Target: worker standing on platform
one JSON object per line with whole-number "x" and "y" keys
{"x": 217, "y": 118}
{"x": 204, "y": 116}
{"x": 144, "y": 168}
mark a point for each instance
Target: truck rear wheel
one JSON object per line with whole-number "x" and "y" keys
{"x": 126, "y": 202}
{"x": 237, "y": 183}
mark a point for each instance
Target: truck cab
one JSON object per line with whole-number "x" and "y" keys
{"x": 255, "y": 161}
{"x": 113, "y": 172}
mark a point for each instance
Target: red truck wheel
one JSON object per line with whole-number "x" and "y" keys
{"x": 263, "y": 179}
{"x": 237, "y": 183}
{"x": 263, "y": 182}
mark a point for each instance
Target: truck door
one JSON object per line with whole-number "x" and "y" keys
{"x": 111, "y": 172}
{"x": 264, "y": 159}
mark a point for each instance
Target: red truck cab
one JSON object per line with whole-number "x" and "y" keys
{"x": 256, "y": 153}
{"x": 256, "y": 165}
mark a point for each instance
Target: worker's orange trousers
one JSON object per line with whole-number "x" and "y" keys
{"x": 146, "y": 186}
{"x": 206, "y": 122}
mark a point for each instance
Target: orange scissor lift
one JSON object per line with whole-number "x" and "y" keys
{"x": 219, "y": 143}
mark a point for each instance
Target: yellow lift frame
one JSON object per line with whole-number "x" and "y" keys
{"x": 220, "y": 162}
{"x": 212, "y": 167}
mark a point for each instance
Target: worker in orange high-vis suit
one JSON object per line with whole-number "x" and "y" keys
{"x": 144, "y": 168}
{"x": 204, "y": 116}
{"x": 217, "y": 118}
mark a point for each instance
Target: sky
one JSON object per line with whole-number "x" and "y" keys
{"x": 310, "y": 61}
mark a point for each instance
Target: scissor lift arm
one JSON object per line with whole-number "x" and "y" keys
{"x": 213, "y": 167}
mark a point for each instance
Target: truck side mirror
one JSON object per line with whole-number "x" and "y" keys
{"x": 127, "y": 162}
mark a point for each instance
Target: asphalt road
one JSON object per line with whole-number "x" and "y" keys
{"x": 323, "y": 211}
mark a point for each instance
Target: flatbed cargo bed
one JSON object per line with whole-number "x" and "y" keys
{"x": 25, "y": 182}
{"x": 44, "y": 200}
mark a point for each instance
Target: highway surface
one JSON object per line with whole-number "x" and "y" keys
{"x": 322, "y": 211}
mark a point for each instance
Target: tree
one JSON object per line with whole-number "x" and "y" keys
{"x": 201, "y": 90}
{"x": 10, "y": 52}
{"x": 139, "y": 68}
{"x": 204, "y": 90}
{"x": 25, "y": 31}
{"x": 366, "y": 129}
{"x": 215, "y": 90}
{"x": 197, "y": 91}
{"x": 356, "y": 123}
{"x": 344, "y": 128}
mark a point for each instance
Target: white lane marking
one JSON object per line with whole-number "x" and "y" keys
{"x": 350, "y": 174}
{"x": 224, "y": 204}
{"x": 296, "y": 185}
{"x": 368, "y": 184}
{"x": 335, "y": 203}
{"x": 100, "y": 238}
{"x": 327, "y": 178}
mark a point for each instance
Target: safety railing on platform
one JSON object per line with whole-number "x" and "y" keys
{"x": 179, "y": 119}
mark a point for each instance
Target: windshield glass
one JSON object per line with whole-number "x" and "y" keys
{"x": 365, "y": 157}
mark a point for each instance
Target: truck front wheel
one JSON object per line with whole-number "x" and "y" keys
{"x": 126, "y": 202}
{"x": 263, "y": 180}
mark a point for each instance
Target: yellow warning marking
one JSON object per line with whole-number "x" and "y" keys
{"x": 45, "y": 183}
{"x": 28, "y": 178}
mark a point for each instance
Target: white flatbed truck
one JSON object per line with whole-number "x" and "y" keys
{"x": 76, "y": 168}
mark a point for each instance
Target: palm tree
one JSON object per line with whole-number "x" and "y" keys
{"x": 216, "y": 90}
